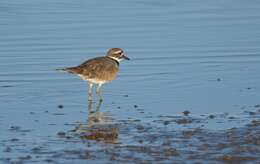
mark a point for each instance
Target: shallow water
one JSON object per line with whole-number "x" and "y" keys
{"x": 198, "y": 56}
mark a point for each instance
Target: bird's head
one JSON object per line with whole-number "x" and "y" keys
{"x": 116, "y": 54}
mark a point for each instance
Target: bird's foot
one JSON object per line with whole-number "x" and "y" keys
{"x": 90, "y": 97}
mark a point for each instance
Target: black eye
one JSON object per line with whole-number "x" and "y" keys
{"x": 119, "y": 54}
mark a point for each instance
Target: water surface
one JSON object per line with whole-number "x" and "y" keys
{"x": 198, "y": 56}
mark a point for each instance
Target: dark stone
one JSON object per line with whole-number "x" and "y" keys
{"x": 257, "y": 106}
{"x": 211, "y": 116}
{"x": 25, "y": 157}
{"x": 252, "y": 113}
{"x": 60, "y": 106}
{"x": 7, "y": 149}
{"x": 15, "y": 128}
{"x": 186, "y": 112}
{"x": 166, "y": 122}
{"x": 61, "y": 134}
{"x": 14, "y": 139}
{"x": 183, "y": 121}
{"x": 170, "y": 152}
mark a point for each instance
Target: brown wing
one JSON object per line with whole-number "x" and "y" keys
{"x": 101, "y": 68}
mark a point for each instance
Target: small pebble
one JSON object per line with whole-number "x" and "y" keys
{"x": 183, "y": 121}
{"x": 48, "y": 160}
{"x": 14, "y": 139}
{"x": 186, "y": 112}
{"x": 60, "y": 106}
{"x": 167, "y": 142}
{"x": 7, "y": 149}
{"x": 170, "y": 152}
{"x": 211, "y": 116}
{"x": 15, "y": 128}
{"x": 140, "y": 127}
{"x": 252, "y": 113}
{"x": 113, "y": 157}
{"x": 257, "y": 106}
{"x": 25, "y": 158}
{"x": 7, "y": 86}
{"x": 166, "y": 122}
{"x": 61, "y": 134}
{"x": 68, "y": 137}
{"x": 36, "y": 149}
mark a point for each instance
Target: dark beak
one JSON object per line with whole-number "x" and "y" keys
{"x": 125, "y": 57}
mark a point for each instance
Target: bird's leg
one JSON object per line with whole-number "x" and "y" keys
{"x": 90, "y": 106}
{"x": 98, "y": 105}
{"x": 90, "y": 86}
{"x": 98, "y": 91}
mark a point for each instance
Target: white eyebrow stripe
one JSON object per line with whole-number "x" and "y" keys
{"x": 119, "y": 51}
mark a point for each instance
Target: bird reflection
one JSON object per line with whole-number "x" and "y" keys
{"x": 99, "y": 125}
{"x": 97, "y": 117}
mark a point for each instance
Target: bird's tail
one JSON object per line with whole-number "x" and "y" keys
{"x": 61, "y": 69}
{"x": 69, "y": 70}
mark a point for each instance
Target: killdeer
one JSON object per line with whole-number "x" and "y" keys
{"x": 99, "y": 70}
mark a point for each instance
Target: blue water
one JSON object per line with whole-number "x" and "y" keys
{"x": 201, "y": 56}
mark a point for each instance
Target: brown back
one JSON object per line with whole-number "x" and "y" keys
{"x": 100, "y": 68}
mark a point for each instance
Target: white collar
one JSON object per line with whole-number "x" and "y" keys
{"x": 118, "y": 60}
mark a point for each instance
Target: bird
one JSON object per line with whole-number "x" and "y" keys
{"x": 99, "y": 70}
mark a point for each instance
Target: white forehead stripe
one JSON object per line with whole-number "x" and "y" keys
{"x": 119, "y": 51}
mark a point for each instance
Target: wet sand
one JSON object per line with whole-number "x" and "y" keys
{"x": 103, "y": 139}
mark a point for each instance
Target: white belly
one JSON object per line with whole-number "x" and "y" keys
{"x": 94, "y": 81}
